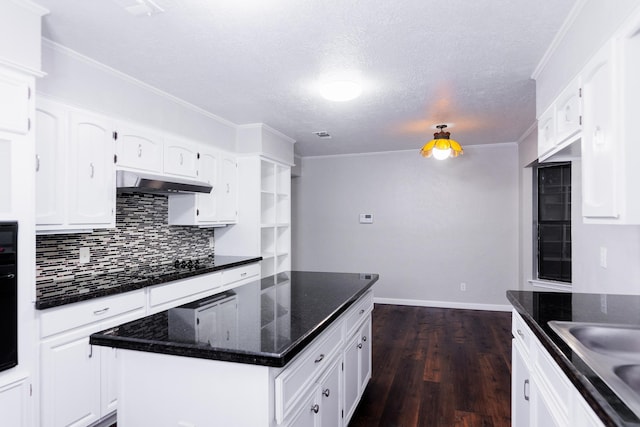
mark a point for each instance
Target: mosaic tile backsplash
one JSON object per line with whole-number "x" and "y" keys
{"x": 141, "y": 237}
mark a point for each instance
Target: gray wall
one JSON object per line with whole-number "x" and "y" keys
{"x": 436, "y": 224}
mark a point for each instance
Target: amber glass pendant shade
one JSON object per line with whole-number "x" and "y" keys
{"x": 441, "y": 146}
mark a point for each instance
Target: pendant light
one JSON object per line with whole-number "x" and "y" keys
{"x": 441, "y": 146}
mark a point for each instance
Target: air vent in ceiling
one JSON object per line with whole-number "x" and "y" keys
{"x": 322, "y": 134}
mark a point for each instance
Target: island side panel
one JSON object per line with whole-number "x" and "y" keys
{"x": 162, "y": 390}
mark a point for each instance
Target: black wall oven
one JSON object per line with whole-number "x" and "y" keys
{"x": 8, "y": 295}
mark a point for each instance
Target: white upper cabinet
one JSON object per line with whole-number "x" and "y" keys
{"x": 208, "y": 172}
{"x": 599, "y": 142}
{"x": 15, "y": 93}
{"x": 180, "y": 157}
{"x": 228, "y": 189}
{"x": 91, "y": 170}
{"x": 51, "y": 123}
{"x": 138, "y": 148}
{"x": 75, "y": 171}
{"x": 560, "y": 125}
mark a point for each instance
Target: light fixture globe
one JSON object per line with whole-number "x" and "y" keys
{"x": 341, "y": 90}
{"x": 441, "y": 146}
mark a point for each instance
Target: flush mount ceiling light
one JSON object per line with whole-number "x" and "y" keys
{"x": 341, "y": 90}
{"x": 140, "y": 7}
{"x": 441, "y": 146}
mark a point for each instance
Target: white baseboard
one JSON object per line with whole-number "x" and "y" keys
{"x": 443, "y": 304}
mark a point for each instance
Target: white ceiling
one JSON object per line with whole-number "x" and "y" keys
{"x": 424, "y": 62}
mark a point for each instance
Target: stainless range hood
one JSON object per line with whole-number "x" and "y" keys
{"x": 141, "y": 182}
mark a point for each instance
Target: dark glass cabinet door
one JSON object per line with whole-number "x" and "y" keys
{"x": 554, "y": 222}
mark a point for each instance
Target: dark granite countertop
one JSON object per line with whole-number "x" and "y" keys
{"x": 265, "y": 322}
{"x": 120, "y": 281}
{"x": 538, "y": 308}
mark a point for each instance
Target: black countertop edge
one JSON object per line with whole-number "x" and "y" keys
{"x": 594, "y": 398}
{"x": 276, "y": 360}
{"x": 42, "y": 304}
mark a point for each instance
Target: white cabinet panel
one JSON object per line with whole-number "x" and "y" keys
{"x": 330, "y": 394}
{"x": 108, "y": 379}
{"x": 520, "y": 387}
{"x": 139, "y": 148}
{"x": 51, "y": 123}
{"x": 228, "y": 189}
{"x": 70, "y": 378}
{"x": 15, "y": 94}
{"x": 208, "y": 172}
{"x": 180, "y": 158}
{"x": 599, "y": 154}
{"x": 14, "y": 398}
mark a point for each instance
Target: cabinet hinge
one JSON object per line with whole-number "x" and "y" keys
{"x": 29, "y": 124}
{"x": 30, "y": 390}
{"x": 115, "y": 158}
{"x": 28, "y": 92}
{"x": 343, "y": 366}
{"x": 342, "y": 413}
{"x": 580, "y": 120}
{"x": 115, "y": 135}
{"x": 197, "y": 212}
{"x": 198, "y": 155}
{"x": 580, "y": 92}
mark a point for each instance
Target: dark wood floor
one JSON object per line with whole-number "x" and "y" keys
{"x": 438, "y": 367}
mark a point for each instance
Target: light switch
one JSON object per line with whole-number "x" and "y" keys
{"x": 366, "y": 218}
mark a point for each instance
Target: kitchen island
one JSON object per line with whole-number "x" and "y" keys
{"x": 549, "y": 354}
{"x": 290, "y": 349}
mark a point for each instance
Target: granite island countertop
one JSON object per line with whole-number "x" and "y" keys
{"x": 538, "y": 308}
{"x": 61, "y": 292}
{"x": 268, "y": 321}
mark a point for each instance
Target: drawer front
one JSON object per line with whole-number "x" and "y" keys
{"x": 60, "y": 319}
{"x": 520, "y": 330}
{"x": 236, "y": 274}
{"x": 359, "y": 312}
{"x": 305, "y": 370}
{"x": 183, "y": 289}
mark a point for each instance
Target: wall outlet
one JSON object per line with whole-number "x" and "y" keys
{"x": 85, "y": 255}
{"x": 211, "y": 242}
{"x": 463, "y": 287}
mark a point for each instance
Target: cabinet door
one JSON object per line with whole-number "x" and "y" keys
{"x": 14, "y": 398}
{"x": 109, "y": 379}
{"x": 568, "y": 111}
{"x": 180, "y": 158}
{"x": 70, "y": 382}
{"x": 351, "y": 380}
{"x": 330, "y": 394}
{"x": 228, "y": 194}
{"x": 139, "y": 148}
{"x": 51, "y": 122}
{"x": 307, "y": 414}
{"x": 599, "y": 145}
{"x": 546, "y": 131}
{"x": 91, "y": 171}
{"x": 208, "y": 172}
{"x": 15, "y": 94}
{"x": 364, "y": 367}
{"x": 520, "y": 388}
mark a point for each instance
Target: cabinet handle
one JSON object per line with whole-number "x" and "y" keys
{"x": 7, "y": 276}
{"x": 139, "y": 150}
{"x": 37, "y": 163}
{"x": 319, "y": 359}
{"x": 326, "y": 392}
{"x": 364, "y": 338}
{"x": 90, "y": 351}
{"x": 101, "y": 311}
{"x": 359, "y": 345}
{"x": 243, "y": 274}
{"x": 93, "y": 170}
{"x": 567, "y": 113}
{"x": 520, "y": 333}
{"x": 362, "y": 311}
{"x": 525, "y": 390}
{"x": 228, "y": 188}
{"x": 315, "y": 408}
{"x": 181, "y": 159}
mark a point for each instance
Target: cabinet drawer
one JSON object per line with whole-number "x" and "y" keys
{"x": 359, "y": 312}
{"x": 520, "y": 330}
{"x": 232, "y": 275}
{"x": 180, "y": 291}
{"x": 305, "y": 370}
{"x": 60, "y": 319}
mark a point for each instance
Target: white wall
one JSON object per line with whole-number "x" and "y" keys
{"x": 436, "y": 224}
{"x": 83, "y": 82}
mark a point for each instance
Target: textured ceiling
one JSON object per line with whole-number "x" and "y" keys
{"x": 424, "y": 62}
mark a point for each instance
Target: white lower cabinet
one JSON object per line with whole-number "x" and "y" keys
{"x": 357, "y": 367}
{"x": 541, "y": 394}
{"x": 14, "y": 402}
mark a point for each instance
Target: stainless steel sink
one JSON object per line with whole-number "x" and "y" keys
{"x": 611, "y": 351}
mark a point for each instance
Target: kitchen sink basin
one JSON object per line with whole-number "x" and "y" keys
{"x": 611, "y": 351}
